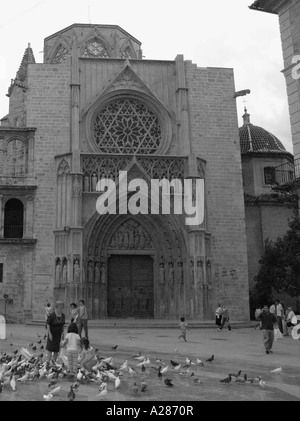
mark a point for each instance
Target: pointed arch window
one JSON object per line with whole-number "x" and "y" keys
{"x": 13, "y": 219}
{"x": 60, "y": 54}
{"x": 95, "y": 48}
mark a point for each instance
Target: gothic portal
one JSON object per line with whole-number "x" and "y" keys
{"x": 93, "y": 108}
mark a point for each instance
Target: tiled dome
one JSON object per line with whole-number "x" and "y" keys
{"x": 258, "y": 140}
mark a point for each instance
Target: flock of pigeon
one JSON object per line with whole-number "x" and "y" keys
{"x": 28, "y": 365}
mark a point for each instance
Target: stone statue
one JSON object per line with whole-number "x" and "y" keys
{"x": 86, "y": 183}
{"x": 192, "y": 272}
{"x": 97, "y": 273}
{"x": 171, "y": 273}
{"x": 161, "y": 272}
{"x": 102, "y": 273}
{"x": 94, "y": 181}
{"x": 90, "y": 272}
{"x": 57, "y": 272}
{"x": 65, "y": 272}
{"x": 180, "y": 271}
{"x": 76, "y": 275}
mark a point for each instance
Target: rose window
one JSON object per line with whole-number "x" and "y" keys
{"x": 95, "y": 49}
{"x": 127, "y": 126}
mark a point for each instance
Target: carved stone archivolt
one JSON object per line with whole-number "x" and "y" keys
{"x": 63, "y": 168}
{"x": 130, "y": 235}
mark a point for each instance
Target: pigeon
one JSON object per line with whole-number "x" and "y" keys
{"x": 124, "y": 366}
{"x": 174, "y": 363}
{"x": 24, "y": 378}
{"x": 39, "y": 342}
{"x": 242, "y": 380}
{"x": 164, "y": 370}
{"x": 159, "y": 374}
{"x": 159, "y": 361}
{"x": 177, "y": 367}
{"x": 277, "y": 370}
{"x": 130, "y": 370}
{"x": 75, "y": 385}
{"x": 48, "y": 397}
{"x": 103, "y": 393}
{"x": 54, "y": 391}
{"x": 235, "y": 374}
{"x": 199, "y": 362}
{"x": 140, "y": 357}
{"x": 45, "y": 337}
{"x": 71, "y": 394}
{"x": 262, "y": 384}
{"x": 107, "y": 360}
{"x": 143, "y": 386}
{"x": 117, "y": 382}
{"x": 13, "y": 383}
{"x": 52, "y": 383}
{"x": 168, "y": 382}
{"x": 211, "y": 358}
{"x": 226, "y": 380}
{"x": 189, "y": 362}
{"x": 135, "y": 388}
{"x": 114, "y": 347}
{"x": 34, "y": 348}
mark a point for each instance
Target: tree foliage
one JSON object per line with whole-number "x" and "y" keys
{"x": 280, "y": 267}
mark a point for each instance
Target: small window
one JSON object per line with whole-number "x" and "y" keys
{"x": 1, "y": 273}
{"x": 269, "y": 174}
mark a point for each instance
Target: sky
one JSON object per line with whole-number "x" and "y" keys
{"x": 211, "y": 33}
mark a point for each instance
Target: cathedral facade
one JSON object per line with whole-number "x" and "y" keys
{"x": 93, "y": 108}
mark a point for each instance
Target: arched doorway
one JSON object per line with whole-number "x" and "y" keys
{"x": 13, "y": 219}
{"x": 142, "y": 261}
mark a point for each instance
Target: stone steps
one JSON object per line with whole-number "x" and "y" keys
{"x": 152, "y": 323}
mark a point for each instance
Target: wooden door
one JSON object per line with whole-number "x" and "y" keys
{"x": 130, "y": 286}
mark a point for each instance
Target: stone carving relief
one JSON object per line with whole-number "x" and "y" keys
{"x": 161, "y": 272}
{"x": 57, "y": 271}
{"x": 77, "y": 187}
{"x": 65, "y": 271}
{"x": 130, "y": 235}
{"x": 96, "y": 167}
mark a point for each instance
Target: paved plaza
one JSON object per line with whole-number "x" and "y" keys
{"x": 240, "y": 349}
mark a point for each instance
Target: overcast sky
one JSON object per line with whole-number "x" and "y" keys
{"x": 218, "y": 33}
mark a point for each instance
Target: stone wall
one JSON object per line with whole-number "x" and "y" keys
{"x": 215, "y": 137}
{"x": 48, "y": 109}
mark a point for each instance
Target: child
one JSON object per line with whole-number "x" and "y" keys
{"x": 87, "y": 356}
{"x": 73, "y": 346}
{"x": 183, "y": 328}
{"x": 73, "y": 312}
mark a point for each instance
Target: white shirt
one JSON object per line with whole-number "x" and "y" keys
{"x": 272, "y": 309}
{"x": 290, "y": 315}
{"x": 72, "y": 344}
{"x": 279, "y": 310}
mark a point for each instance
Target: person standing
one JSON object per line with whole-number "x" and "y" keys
{"x": 48, "y": 311}
{"x": 268, "y": 322}
{"x": 219, "y": 315}
{"x": 82, "y": 319}
{"x": 279, "y": 314}
{"x": 225, "y": 318}
{"x": 55, "y": 327}
{"x": 273, "y": 308}
{"x": 289, "y": 316}
{"x": 73, "y": 347}
{"x": 74, "y": 313}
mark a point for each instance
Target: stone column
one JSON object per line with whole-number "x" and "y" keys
{"x": 29, "y": 218}
{"x": 1, "y": 216}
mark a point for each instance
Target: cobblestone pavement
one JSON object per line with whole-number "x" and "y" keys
{"x": 240, "y": 349}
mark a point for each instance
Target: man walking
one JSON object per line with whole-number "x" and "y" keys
{"x": 268, "y": 322}
{"x": 225, "y": 318}
{"x": 279, "y": 314}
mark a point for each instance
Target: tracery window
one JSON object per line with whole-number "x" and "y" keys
{"x": 61, "y": 54}
{"x": 95, "y": 49}
{"x": 15, "y": 158}
{"x": 127, "y": 126}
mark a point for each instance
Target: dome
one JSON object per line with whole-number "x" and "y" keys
{"x": 258, "y": 140}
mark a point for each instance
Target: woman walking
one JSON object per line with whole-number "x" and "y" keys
{"x": 55, "y": 327}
